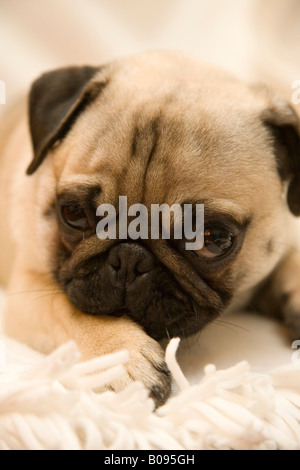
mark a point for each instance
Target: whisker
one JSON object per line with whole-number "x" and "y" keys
{"x": 32, "y": 291}
{"x": 168, "y": 334}
{"x": 227, "y": 324}
{"x": 183, "y": 334}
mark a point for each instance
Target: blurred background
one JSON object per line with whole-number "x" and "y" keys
{"x": 255, "y": 39}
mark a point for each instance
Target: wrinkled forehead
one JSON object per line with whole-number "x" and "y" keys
{"x": 170, "y": 147}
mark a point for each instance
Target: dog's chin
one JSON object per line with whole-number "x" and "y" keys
{"x": 161, "y": 307}
{"x": 183, "y": 327}
{"x": 161, "y": 326}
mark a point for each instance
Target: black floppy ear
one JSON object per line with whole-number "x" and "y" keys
{"x": 56, "y": 99}
{"x": 284, "y": 124}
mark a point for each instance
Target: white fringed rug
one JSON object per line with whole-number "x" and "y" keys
{"x": 49, "y": 403}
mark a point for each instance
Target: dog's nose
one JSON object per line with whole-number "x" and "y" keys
{"x": 128, "y": 262}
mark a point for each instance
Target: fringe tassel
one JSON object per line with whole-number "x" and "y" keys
{"x": 52, "y": 406}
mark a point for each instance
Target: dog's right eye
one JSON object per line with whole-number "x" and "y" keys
{"x": 217, "y": 241}
{"x": 74, "y": 217}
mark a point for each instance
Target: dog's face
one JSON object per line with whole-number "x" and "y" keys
{"x": 161, "y": 128}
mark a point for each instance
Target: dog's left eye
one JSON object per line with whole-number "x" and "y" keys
{"x": 74, "y": 217}
{"x": 217, "y": 241}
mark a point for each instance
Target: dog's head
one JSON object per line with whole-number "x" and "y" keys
{"x": 161, "y": 128}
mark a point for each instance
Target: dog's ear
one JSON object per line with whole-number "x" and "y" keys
{"x": 56, "y": 99}
{"x": 284, "y": 126}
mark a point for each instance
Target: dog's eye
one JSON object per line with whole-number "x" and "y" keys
{"x": 217, "y": 241}
{"x": 74, "y": 217}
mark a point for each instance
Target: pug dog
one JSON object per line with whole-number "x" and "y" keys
{"x": 158, "y": 128}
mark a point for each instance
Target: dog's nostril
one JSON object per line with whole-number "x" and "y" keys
{"x": 129, "y": 262}
{"x": 114, "y": 261}
{"x": 144, "y": 266}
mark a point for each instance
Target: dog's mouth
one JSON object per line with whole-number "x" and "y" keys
{"x": 180, "y": 325}
{"x": 161, "y": 314}
{"x": 154, "y": 300}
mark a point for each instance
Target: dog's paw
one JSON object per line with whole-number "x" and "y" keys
{"x": 146, "y": 365}
{"x": 106, "y": 335}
